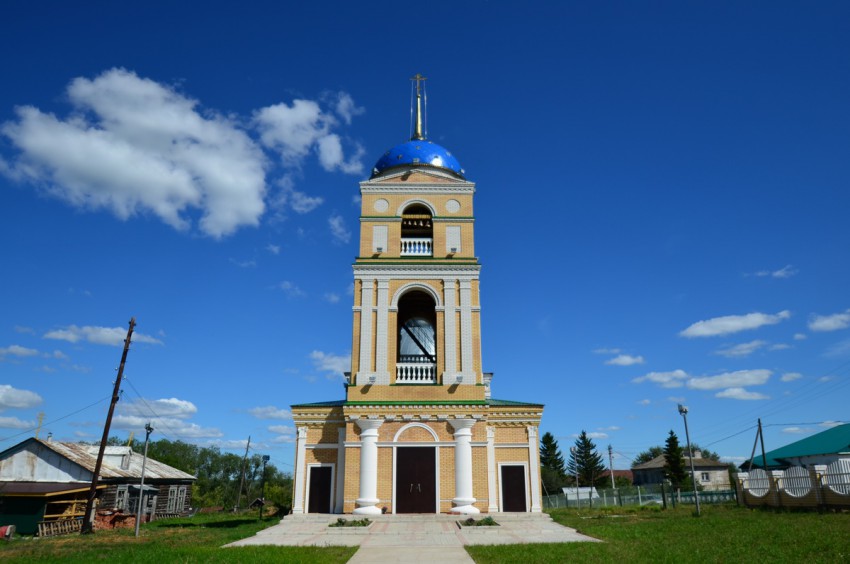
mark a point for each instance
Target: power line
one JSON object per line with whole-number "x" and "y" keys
{"x": 30, "y": 430}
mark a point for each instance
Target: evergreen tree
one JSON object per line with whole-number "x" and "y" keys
{"x": 674, "y": 461}
{"x": 585, "y": 460}
{"x": 551, "y": 465}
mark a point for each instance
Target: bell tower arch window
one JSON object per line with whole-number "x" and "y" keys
{"x": 417, "y": 231}
{"x": 417, "y": 339}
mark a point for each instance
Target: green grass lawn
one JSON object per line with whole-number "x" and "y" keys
{"x": 721, "y": 534}
{"x": 195, "y": 539}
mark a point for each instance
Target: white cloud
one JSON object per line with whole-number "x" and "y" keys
{"x": 676, "y": 399}
{"x": 59, "y": 355}
{"x": 730, "y": 380}
{"x": 625, "y": 360}
{"x": 832, "y": 322}
{"x": 674, "y": 379}
{"x": 282, "y": 429}
{"x": 740, "y": 394}
{"x": 743, "y": 349}
{"x": 610, "y": 428}
{"x": 346, "y": 108}
{"x": 244, "y": 263}
{"x": 799, "y": 336}
{"x": 15, "y": 423}
{"x": 331, "y": 297}
{"x": 270, "y": 412}
{"x": 300, "y": 202}
{"x": 786, "y": 271}
{"x": 98, "y": 335}
{"x": 273, "y": 249}
{"x": 291, "y": 289}
{"x": 294, "y": 131}
{"x": 340, "y": 232}
{"x": 733, "y": 323}
{"x": 134, "y": 146}
{"x": 830, "y": 424}
{"x": 23, "y": 329}
{"x": 167, "y": 407}
{"x": 790, "y": 376}
{"x": 592, "y": 435}
{"x": 606, "y": 351}
{"x": 779, "y": 347}
{"x": 17, "y": 350}
{"x": 797, "y": 430}
{"x": 329, "y": 362}
{"x": 13, "y": 398}
{"x": 841, "y": 348}
{"x": 644, "y": 402}
{"x": 173, "y": 426}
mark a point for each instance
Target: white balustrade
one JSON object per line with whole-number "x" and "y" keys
{"x": 419, "y": 247}
{"x": 415, "y": 373}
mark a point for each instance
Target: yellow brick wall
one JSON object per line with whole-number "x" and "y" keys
{"x": 415, "y": 393}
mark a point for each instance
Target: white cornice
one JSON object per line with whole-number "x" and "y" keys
{"x": 469, "y": 271}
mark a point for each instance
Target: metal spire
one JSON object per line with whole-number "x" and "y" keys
{"x": 418, "y": 131}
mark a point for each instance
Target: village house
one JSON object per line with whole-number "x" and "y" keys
{"x": 417, "y": 430}
{"x": 44, "y": 482}
{"x": 711, "y": 475}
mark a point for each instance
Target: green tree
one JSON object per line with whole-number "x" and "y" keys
{"x": 674, "y": 461}
{"x": 551, "y": 465}
{"x": 586, "y": 462}
{"x": 647, "y": 455}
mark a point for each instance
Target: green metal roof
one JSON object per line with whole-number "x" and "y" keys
{"x": 510, "y": 403}
{"x": 336, "y": 403}
{"x": 831, "y": 441}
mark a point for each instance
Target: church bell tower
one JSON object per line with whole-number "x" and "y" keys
{"x": 418, "y": 431}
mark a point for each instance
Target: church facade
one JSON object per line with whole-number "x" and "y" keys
{"x": 418, "y": 430}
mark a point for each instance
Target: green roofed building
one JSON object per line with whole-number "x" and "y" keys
{"x": 822, "y": 448}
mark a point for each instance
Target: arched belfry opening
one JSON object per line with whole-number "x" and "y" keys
{"x": 417, "y": 339}
{"x": 417, "y": 231}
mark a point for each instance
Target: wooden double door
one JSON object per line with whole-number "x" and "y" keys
{"x": 416, "y": 480}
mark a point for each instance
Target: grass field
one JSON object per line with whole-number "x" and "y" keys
{"x": 196, "y": 539}
{"x": 722, "y": 534}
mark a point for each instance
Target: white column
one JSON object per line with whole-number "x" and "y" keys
{"x": 365, "y": 332}
{"x": 463, "y": 499}
{"x": 493, "y": 502}
{"x": 382, "y": 335}
{"x": 450, "y": 331}
{"x": 466, "y": 367}
{"x": 340, "y": 470}
{"x": 534, "y": 468}
{"x": 368, "y": 467}
{"x": 300, "y": 469}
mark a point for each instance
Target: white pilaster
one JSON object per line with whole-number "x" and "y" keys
{"x": 450, "y": 330}
{"x": 365, "y": 332}
{"x": 534, "y": 468}
{"x": 463, "y": 500}
{"x": 340, "y": 470}
{"x": 368, "y": 467}
{"x": 493, "y": 503}
{"x": 382, "y": 374}
{"x": 466, "y": 366}
{"x": 300, "y": 469}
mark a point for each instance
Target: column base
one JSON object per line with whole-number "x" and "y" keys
{"x": 465, "y": 507}
{"x": 367, "y": 507}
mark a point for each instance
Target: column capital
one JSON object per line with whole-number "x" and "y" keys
{"x": 461, "y": 424}
{"x": 302, "y": 432}
{"x": 369, "y": 424}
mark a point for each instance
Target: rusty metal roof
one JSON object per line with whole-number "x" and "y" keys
{"x": 118, "y": 461}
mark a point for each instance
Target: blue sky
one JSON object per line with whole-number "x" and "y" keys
{"x": 662, "y": 205}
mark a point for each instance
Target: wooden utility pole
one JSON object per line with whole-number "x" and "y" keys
{"x": 88, "y": 518}
{"x": 242, "y": 477}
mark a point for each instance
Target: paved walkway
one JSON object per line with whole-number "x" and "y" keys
{"x": 413, "y": 538}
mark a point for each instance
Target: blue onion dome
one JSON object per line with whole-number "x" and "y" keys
{"x": 418, "y": 152}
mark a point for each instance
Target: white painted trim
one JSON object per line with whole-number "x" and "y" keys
{"x": 300, "y": 453}
{"x": 419, "y": 425}
{"x": 321, "y": 446}
{"x": 382, "y": 337}
{"x": 412, "y": 201}
{"x": 450, "y": 331}
{"x": 340, "y": 476}
{"x": 365, "y": 360}
{"x": 415, "y": 286}
{"x": 492, "y": 501}
{"x": 534, "y": 459}
{"x": 333, "y": 484}
{"x": 502, "y": 485}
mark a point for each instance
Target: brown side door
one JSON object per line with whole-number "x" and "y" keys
{"x": 513, "y": 488}
{"x": 320, "y": 490}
